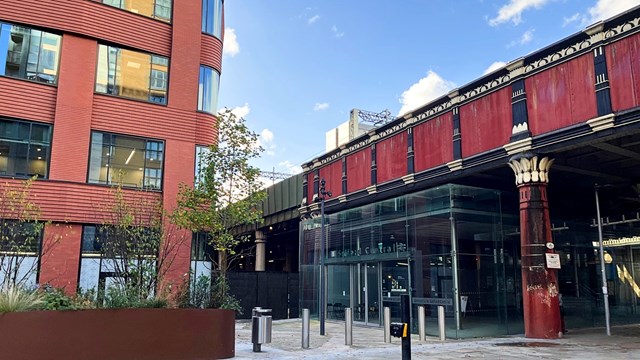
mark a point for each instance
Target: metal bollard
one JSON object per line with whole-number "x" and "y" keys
{"x": 421, "y": 324}
{"x": 387, "y": 324}
{"x": 348, "y": 326}
{"x": 441, "y": 322}
{"x": 305, "y": 328}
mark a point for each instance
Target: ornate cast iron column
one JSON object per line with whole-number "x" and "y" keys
{"x": 539, "y": 284}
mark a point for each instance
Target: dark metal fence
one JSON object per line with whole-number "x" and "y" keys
{"x": 272, "y": 290}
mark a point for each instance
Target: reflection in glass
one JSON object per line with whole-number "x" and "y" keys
{"x": 156, "y": 9}
{"x": 132, "y": 74}
{"x": 28, "y": 53}
{"x": 212, "y": 17}
{"x": 24, "y": 148}
{"x": 132, "y": 162}
{"x": 208, "y": 90}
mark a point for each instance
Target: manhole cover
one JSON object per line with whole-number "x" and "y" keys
{"x": 528, "y": 344}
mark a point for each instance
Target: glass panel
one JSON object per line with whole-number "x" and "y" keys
{"x": 208, "y": 90}
{"x": 158, "y": 9}
{"x": 29, "y": 54}
{"x": 24, "y": 152}
{"x": 126, "y": 162}
{"x": 132, "y": 74}
{"x": 201, "y": 152}
{"x": 212, "y": 17}
{"x": 338, "y": 290}
{"x": 99, "y": 158}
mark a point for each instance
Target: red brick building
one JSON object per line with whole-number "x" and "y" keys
{"x": 94, "y": 88}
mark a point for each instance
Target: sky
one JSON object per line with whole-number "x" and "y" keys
{"x": 294, "y": 69}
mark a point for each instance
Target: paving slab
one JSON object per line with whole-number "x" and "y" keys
{"x": 368, "y": 343}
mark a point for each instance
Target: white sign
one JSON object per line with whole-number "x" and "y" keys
{"x": 553, "y": 261}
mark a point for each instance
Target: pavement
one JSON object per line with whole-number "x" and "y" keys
{"x": 368, "y": 343}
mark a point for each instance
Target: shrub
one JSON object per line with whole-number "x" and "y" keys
{"x": 14, "y": 298}
{"x": 119, "y": 298}
{"x": 56, "y": 299}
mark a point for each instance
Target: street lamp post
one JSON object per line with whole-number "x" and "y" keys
{"x": 322, "y": 194}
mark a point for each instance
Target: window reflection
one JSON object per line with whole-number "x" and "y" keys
{"x": 132, "y": 74}
{"x": 156, "y": 9}
{"x": 212, "y": 17}
{"x": 201, "y": 154}
{"x": 132, "y": 162}
{"x": 28, "y": 53}
{"x": 24, "y": 148}
{"x": 208, "y": 90}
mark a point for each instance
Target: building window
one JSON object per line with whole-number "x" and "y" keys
{"x": 201, "y": 153}
{"x": 126, "y": 160}
{"x": 24, "y": 148}
{"x": 132, "y": 74}
{"x": 19, "y": 251}
{"x": 212, "y": 17}
{"x": 156, "y": 9}
{"x": 29, "y": 54}
{"x": 208, "y": 90}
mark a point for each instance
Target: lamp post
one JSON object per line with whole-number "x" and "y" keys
{"x": 605, "y": 291}
{"x": 322, "y": 194}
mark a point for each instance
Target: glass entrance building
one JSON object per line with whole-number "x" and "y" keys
{"x": 459, "y": 246}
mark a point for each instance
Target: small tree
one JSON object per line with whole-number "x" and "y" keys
{"x": 138, "y": 242}
{"x": 21, "y": 229}
{"x": 227, "y": 194}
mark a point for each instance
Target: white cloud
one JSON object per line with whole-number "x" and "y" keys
{"x": 320, "y": 106}
{"x": 495, "y": 66}
{"x": 240, "y": 111}
{"x": 524, "y": 39}
{"x": 266, "y": 135}
{"x": 266, "y": 141}
{"x": 514, "y": 9}
{"x": 425, "y": 90}
{"x": 337, "y": 33}
{"x": 568, "y": 20}
{"x": 230, "y": 46}
{"x": 605, "y": 9}
{"x": 291, "y": 168}
{"x": 313, "y": 19}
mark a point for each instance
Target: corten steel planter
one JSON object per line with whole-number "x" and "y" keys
{"x": 140, "y": 334}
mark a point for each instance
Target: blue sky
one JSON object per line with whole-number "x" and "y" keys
{"x": 294, "y": 68}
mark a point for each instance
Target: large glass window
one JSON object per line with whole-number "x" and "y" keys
{"x": 19, "y": 250}
{"x": 126, "y": 160}
{"x": 24, "y": 148}
{"x": 208, "y": 90}
{"x": 201, "y": 153}
{"x": 212, "y": 17}
{"x": 132, "y": 74}
{"x": 28, "y": 53}
{"x": 157, "y": 9}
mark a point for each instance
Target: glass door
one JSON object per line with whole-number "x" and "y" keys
{"x": 338, "y": 290}
{"x": 367, "y": 299}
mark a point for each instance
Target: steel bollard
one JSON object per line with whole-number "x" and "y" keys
{"x": 421, "y": 324}
{"x": 348, "y": 326}
{"x": 305, "y": 328}
{"x": 387, "y": 324}
{"x": 441, "y": 322}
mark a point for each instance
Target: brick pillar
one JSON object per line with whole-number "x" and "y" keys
{"x": 60, "y": 256}
{"x": 539, "y": 284}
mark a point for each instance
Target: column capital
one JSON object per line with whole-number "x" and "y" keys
{"x": 530, "y": 169}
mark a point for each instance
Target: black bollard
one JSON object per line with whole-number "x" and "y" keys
{"x": 405, "y": 309}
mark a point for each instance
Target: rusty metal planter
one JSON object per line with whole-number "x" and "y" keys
{"x": 141, "y": 334}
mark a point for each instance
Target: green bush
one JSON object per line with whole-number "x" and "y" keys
{"x": 56, "y": 299}
{"x": 119, "y": 298}
{"x": 14, "y": 298}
